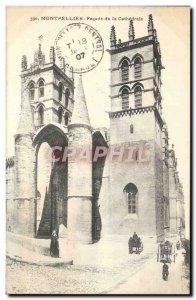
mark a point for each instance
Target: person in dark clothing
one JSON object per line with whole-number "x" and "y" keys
{"x": 54, "y": 245}
{"x": 165, "y": 271}
{"x": 178, "y": 245}
{"x": 135, "y": 237}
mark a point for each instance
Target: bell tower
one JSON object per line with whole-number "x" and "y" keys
{"x": 50, "y": 89}
{"x": 136, "y": 181}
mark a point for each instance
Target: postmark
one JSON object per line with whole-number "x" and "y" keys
{"x": 81, "y": 46}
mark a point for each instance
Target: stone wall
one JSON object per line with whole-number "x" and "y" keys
{"x": 10, "y": 196}
{"x": 24, "y": 220}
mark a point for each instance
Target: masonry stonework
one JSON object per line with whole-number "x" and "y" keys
{"x": 137, "y": 190}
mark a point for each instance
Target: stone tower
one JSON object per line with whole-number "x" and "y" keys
{"x": 50, "y": 89}
{"x": 46, "y": 109}
{"x": 136, "y": 179}
{"x": 80, "y": 171}
{"x": 25, "y": 171}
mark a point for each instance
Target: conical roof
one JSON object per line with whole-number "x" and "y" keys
{"x": 26, "y": 124}
{"x": 80, "y": 112}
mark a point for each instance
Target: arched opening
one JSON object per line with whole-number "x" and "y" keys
{"x": 125, "y": 70}
{"x": 137, "y": 68}
{"x": 41, "y": 89}
{"x": 40, "y": 116}
{"x": 138, "y": 96}
{"x": 60, "y": 115}
{"x": 52, "y": 179}
{"x": 32, "y": 91}
{"x": 60, "y": 91}
{"x": 131, "y": 194}
{"x": 66, "y": 118}
{"x": 97, "y": 181}
{"x": 125, "y": 98}
{"x": 67, "y": 94}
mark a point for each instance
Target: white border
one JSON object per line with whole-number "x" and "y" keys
{"x": 3, "y": 5}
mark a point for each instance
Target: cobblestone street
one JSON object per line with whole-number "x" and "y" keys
{"x": 131, "y": 277}
{"x": 31, "y": 279}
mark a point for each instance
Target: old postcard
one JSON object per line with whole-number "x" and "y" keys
{"x": 98, "y": 144}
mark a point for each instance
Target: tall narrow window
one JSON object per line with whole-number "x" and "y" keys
{"x": 138, "y": 96}
{"x": 136, "y": 155}
{"x": 60, "y": 91}
{"x": 125, "y": 71}
{"x": 131, "y": 193}
{"x": 137, "y": 68}
{"x": 125, "y": 98}
{"x": 67, "y": 94}
{"x": 32, "y": 111}
{"x": 60, "y": 115}
{"x": 32, "y": 91}
{"x": 41, "y": 88}
{"x": 131, "y": 128}
{"x": 131, "y": 203}
{"x": 40, "y": 116}
{"x": 66, "y": 118}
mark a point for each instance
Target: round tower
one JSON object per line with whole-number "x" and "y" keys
{"x": 80, "y": 171}
{"x": 25, "y": 171}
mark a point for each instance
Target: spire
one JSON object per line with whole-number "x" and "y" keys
{"x": 26, "y": 124}
{"x": 150, "y": 25}
{"x": 62, "y": 64}
{"x": 80, "y": 111}
{"x": 131, "y": 32}
{"x": 24, "y": 63}
{"x": 39, "y": 57}
{"x": 112, "y": 36}
{"x": 52, "y": 55}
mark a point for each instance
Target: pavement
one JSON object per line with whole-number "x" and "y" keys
{"x": 18, "y": 253}
{"x": 149, "y": 280}
{"x": 102, "y": 268}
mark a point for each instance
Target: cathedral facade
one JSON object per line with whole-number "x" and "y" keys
{"x": 138, "y": 189}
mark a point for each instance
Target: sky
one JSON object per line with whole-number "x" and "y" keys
{"x": 172, "y": 24}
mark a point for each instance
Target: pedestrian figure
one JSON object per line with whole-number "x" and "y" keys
{"x": 178, "y": 245}
{"x": 165, "y": 271}
{"x": 54, "y": 245}
{"x": 135, "y": 237}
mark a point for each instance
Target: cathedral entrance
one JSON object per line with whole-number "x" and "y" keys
{"x": 51, "y": 180}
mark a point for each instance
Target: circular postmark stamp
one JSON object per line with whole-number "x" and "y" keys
{"x": 81, "y": 46}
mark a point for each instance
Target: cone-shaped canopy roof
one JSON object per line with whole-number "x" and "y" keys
{"x": 80, "y": 112}
{"x": 26, "y": 124}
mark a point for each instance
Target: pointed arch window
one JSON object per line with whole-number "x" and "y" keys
{"x": 137, "y": 68}
{"x": 125, "y": 71}
{"x": 131, "y": 194}
{"x": 40, "y": 116}
{"x": 138, "y": 96}
{"x": 32, "y": 91}
{"x": 60, "y": 115}
{"x": 125, "y": 98}
{"x": 41, "y": 88}
{"x": 60, "y": 91}
{"x": 67, "y": 94}
{"x": 66, "y": 118}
